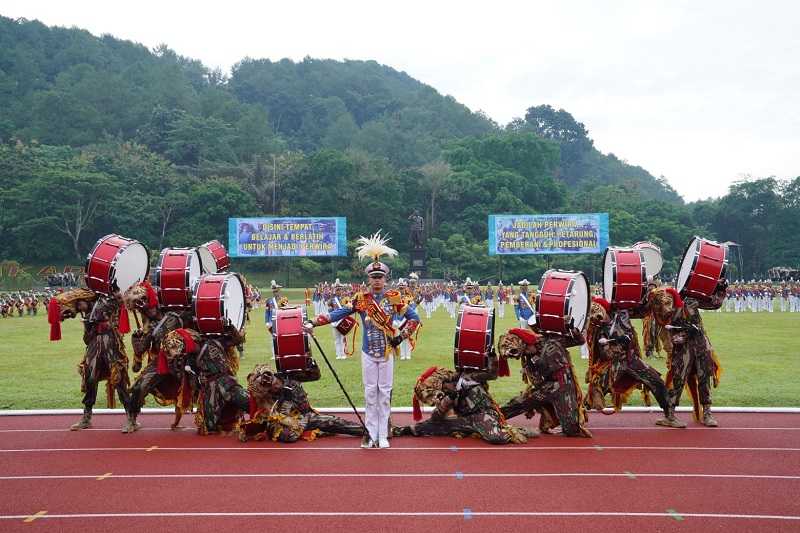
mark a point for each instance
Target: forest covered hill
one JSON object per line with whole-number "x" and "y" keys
{"x": 98, "y": 134}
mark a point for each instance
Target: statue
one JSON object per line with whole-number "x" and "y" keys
{"x": 417, "y": 230}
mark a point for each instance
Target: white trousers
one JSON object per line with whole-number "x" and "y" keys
{"x": 405, "y": 349}
{"x": 501, "y": 310}
{"x": 377, "y": 375}
{"x": 339, "y": 342}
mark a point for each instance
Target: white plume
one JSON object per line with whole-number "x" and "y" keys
{"x": 374, "y": 247}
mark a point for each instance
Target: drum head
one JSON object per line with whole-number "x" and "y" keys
{"x": 652, "y": 257}
{"x": 131, "y": 266}
{"x": 234, "y": 301}
{"x": 608, "y": 274}
{"x": 579, "y": 301}
{"x": 194, "y": 269}
{"x": 687, "y": 263}
{"x": 207, "y": 261}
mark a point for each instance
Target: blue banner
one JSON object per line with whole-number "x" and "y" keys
{"x": 287, "y": 237}
{"x": 582, "y": 233}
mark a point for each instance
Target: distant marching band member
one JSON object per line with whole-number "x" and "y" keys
{"x": 271, "y": 306}
{"x": 523, "y": 307}
{"x": 335, "y": 302}
{"x": 380, "y": 339}
{"x": 398, "y": 320}
{"x": 502, "y": 300}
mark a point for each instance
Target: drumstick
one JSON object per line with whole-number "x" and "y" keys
{"x": 335, "y": 375}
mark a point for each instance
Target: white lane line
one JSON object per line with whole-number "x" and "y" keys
{"x": 458, "y": 475}
{"x": 290, "y": 448}
{"x": 395, "y": 410}
{"x": 459, "y": 514}
{"x": 611, "y": 428}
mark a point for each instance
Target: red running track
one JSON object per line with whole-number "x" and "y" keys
{"x": 743, "y": 476}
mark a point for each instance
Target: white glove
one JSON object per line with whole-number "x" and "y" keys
{"x": 308, "y": 327}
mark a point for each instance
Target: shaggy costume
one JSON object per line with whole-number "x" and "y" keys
{"x": 552, "y": 388}
{"x": 104, "y": 358}
{"x": 285, "y": 415}
{"x": 221, "y": 400}
{"x": 164, "y": 376}
{"x": 475, "y": 412}
{"x": 692, "y": 362}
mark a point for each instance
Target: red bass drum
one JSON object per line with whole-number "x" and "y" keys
{"x": 624, "y": 277}
{"x": 474, "y": 341}
{"x": 290, "y": 342}
{"x": 219, "y": 303}
{"x": 116, "y": 264}
{"x": 214, "y": 257}
{"x": 177, "y": 272}
{"x": 703, "y": 267}
{"x": 562, "y": 302}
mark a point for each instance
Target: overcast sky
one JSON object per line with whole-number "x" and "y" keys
{"x": 700, "y": 92}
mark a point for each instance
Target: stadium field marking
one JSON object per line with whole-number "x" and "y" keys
{"x": 458, "y": 475}
{"x": 432, "y": 514}
{"x": 318, "y": 449}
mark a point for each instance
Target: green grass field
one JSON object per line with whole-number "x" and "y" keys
{"x": 760, "y": 353}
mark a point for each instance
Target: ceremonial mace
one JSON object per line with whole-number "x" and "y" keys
{"x": 335, "y": 375}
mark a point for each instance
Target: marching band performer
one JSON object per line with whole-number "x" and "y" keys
{"x": 280, "y": 410}
{"x": 552, "y": 388}
{"x": 692, "y": 362}
{"x": 339, "y": 340}
{"x": 502, "y": 300}
{"x": 168, "y": 383}
{"x": 104, "y": 358}
{"x": 475, "y": 411}
{"x": 222, "y": 400}
{"x": 380, "y": 338}
{"x": 276, "y": 302}
{"x": 272, "y": 303}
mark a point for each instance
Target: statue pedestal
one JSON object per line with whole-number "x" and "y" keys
{"x": 418, "y": 263}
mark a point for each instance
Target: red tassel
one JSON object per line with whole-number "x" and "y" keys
{"x": 528, "y": 337}
{"x": 54, "y": 318}
{"x": 189, "y": 346}
{"x": 676, "y": 297}
{"x": 124, "y": 320}
{"x": 152, "y": 297}
{"x": 503, "y": 369}
{"x": 417, "y": 409}
{"x": 163, "y": 366}
{"x": 186, "y": 393}
{"x": 253, "y": 407}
